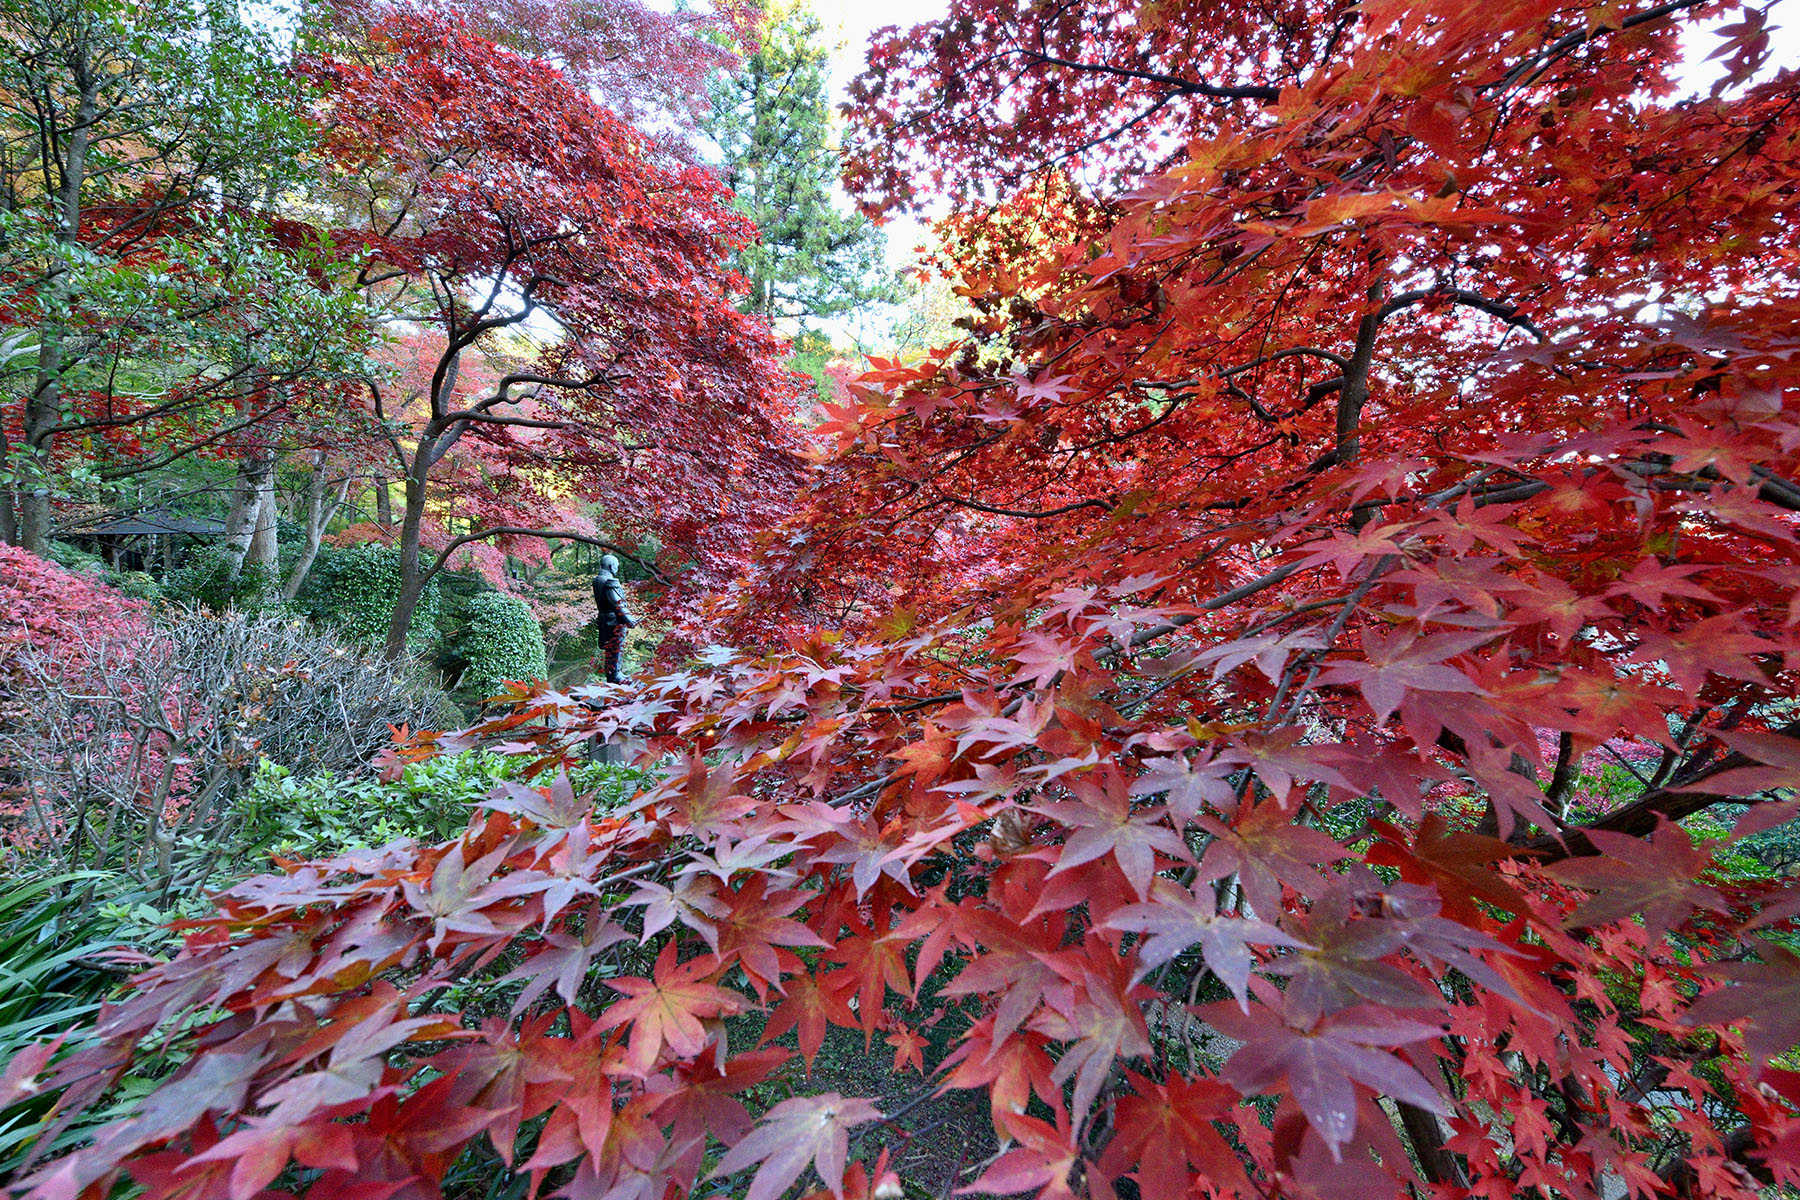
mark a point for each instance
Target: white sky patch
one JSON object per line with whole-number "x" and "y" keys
{"x": 848, "y": 24}
{"x": 1698, "y": 42}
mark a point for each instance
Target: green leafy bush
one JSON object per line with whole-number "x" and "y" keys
{"x": 140, "y": 585}
{"x": 209, "y": 580}
{"x": 73, "y": 558}
{"x": 325, "y": 814}
{"x": 354, "y": 590}
{"x": 501, "y": 642}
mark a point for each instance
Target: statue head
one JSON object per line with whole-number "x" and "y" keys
{"x": 609, "y": 564}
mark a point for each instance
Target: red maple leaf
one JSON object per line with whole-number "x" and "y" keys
{"x": 1657, "y": 878}
{"x": 1393, "y": 666}
{"x": 1101, "y": 822}
{"x": 1323, "y": 1065}
{"x": 794, "y": 1133}
{"x": 667, "y": 1009}
{"x": 809, "y": 1005}
{"x": 1176, "y": 919}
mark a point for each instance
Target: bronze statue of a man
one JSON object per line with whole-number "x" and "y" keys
{"x": 614, "y": 618}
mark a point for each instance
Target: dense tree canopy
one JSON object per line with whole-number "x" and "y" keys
{"x": 154, "y": 304}
{"x": 220, "y": 234}
{"x": 1275, "y": 713}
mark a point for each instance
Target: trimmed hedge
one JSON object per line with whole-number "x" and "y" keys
{"x": 501, "y": 642}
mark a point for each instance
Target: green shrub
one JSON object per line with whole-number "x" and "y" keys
{"x": 501, "y": 642}
{"x": 354, "y": 590}
{"x": 209, "y": 580}
{"x": 139, "y": 585}
{"x": 324, "y": 814}
{"x": 73, "y": 558}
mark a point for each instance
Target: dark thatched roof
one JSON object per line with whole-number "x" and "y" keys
{"x": 150, "y": 521}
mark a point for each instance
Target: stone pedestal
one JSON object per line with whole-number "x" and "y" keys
{"x": 619, "y": 748}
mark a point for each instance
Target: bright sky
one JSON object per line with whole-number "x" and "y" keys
{"x": 849, "y": 23}
{"x": 854, "y": 20}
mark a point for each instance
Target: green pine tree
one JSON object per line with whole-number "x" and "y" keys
{"x": 772, "y": 121}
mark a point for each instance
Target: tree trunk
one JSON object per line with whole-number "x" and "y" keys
{"x": 1355, "y": 392}
{"x": 255, "y": 473}
{"x": 434, "y": 442}
{"x": 412, "y": 581}
{"x": 264, "y": 552}
{"x": 43, "y": 409}
{"x": 9, "y": 513}
{"x": 1426, "y": 1133}
{"x": 384, "y": 502}
{"x": 319, "y": 512}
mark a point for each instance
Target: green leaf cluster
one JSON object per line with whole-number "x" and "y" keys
{"x": 323, "y": 814}
{"x": 210, "y": 580}
{"x": 151, "y": 147}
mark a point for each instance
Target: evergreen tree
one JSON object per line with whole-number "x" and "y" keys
{"x": 772, "y": 121}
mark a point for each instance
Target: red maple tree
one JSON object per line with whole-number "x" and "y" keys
{"x": 503, "y": 202}
{"x": 1194, "y": 692}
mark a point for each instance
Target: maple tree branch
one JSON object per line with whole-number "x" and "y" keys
{"x": 1738, "y": 1146}
{"x": 1330, "y": 356}
{"x": 487, "y": 418}
{"x": 1671, "y": 756}
{"x": 1426, "y": 1133}
{"x": 181, "y": 452}
{"x": 1189, "y": 87}
{"x": 457, "y": 543}
{"x": 1103, "y": 505}
{"x": 1144, "y": 637}
{"x": 503, "y": 391}
{"x": 1315, "y": 660}
{"x": 1641, "y": 816}
{"x": 1497, "y": 309}
{"x": 1355, "y": 391}
{"x": 1565, "y": 771}
{"x": 1537, "y": 63}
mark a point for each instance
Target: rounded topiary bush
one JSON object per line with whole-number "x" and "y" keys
{"x": 354, "y": 590}
{"x": 502, "y": 641}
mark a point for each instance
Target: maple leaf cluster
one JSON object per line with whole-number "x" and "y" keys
{"x": 1168, "y": 718}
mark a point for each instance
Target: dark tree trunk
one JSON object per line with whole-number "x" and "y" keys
{"x": 412, "y": 522}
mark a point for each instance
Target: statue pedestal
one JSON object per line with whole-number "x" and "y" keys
{"x": 619, "y": 748}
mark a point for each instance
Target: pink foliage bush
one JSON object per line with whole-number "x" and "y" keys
{"x": 44, "y": 605}
{"x": 52, "y": 616}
